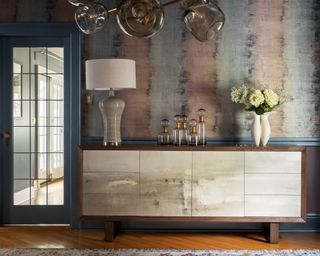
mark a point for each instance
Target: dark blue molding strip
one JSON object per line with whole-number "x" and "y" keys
{"x": 313, "y": 142}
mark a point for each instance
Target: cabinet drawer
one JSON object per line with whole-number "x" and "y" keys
{"x": 111, "y": 183}
{"x": 110, "y": 161}
{"x": 217, "y": 161}
{"x": 272, "y": 206}
{"x": 273, "y": 184}
{"x": 273, "y": 162}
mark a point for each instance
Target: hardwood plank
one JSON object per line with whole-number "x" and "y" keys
{"x": 217, "y": 184}
{"x": 272, "y": 206}
{"x": 273, "y": 162}
{"x": 60, "y": 237}
{"x": 272, "y": 184}
{"x": 110, "y": 161}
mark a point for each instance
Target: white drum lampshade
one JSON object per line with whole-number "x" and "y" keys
{"x": 104, "y": 74}
{"x": 111, "y": 74}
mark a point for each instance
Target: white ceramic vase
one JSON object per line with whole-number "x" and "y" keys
{"x": 265, "y": 129}
{"x": 256, "y": 129}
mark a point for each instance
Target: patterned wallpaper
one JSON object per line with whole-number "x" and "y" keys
{"x": 275, "y": 42}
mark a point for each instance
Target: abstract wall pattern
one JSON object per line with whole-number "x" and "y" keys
{"x": 275, "y": 42}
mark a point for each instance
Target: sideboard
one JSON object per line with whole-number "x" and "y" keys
{"x": 212, "y": 183}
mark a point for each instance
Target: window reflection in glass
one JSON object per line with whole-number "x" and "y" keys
{"x": 38, "y": 131}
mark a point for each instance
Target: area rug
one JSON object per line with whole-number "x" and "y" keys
{"x": 154, "y": 252}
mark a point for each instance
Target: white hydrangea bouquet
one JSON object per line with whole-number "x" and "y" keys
{"x": 260, "y": 100}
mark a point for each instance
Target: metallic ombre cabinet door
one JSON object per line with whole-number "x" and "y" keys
{"x": 218, "y": 184}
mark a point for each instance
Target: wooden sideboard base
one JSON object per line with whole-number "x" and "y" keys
{"x": 272, "y": 232}
{"x": 112, "y": 228}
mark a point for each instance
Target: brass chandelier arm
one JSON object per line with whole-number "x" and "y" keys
{"x": 164, "y": 5}
{"x": 113, "y": 10}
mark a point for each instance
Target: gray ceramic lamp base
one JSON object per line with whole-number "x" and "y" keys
{"x": 111, "y": 109}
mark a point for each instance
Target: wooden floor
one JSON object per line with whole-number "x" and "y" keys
{"x": 57, "y": 237}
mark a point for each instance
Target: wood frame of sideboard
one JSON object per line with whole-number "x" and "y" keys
{"x": 271, "y": 224}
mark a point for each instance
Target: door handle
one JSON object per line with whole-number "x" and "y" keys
{"x": 6, "y": 136}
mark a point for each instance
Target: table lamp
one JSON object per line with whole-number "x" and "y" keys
{"x": 111, "y": 74}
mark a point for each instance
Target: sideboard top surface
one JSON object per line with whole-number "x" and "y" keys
{"x": 149, "y": 147}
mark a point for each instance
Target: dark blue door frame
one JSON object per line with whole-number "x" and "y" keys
{"x": 73, "y": 45}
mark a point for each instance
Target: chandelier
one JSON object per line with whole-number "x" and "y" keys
{"x": 144, "y": 18}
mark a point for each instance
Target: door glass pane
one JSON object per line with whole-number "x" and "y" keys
{"x": 27, "y": 86}
{"x": 38, "y": 131}
{"x": 21, "y": 140}
{"x": 22, "y": 192}
{"x": 55, "y": 60}
{"x": 22, "y": 166}
{"x": 40, "y": 188}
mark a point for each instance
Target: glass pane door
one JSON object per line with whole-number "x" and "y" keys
{"x": 36, "y": 173}
{"x": 38, "y": 125}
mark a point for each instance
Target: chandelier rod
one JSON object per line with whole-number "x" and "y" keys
{"x": 164, "y": 5}
{"x": 112, "y": 10}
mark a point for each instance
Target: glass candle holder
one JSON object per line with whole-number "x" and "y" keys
{"x": 185, "y": 131}
{"x": 193, "y": 138}
{"x": 201, "y": 127}
{"x": 164, "y": 137}
{"x": 178, "y": 131}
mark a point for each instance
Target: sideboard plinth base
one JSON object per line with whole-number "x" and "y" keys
{"x": 272, "y": 232}
{"x": 111, "y": 230}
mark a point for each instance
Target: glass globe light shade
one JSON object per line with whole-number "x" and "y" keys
{"x": 140, "y": 18}
{"x": 204, "y": 20}
{"x": 91, "y": 17}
